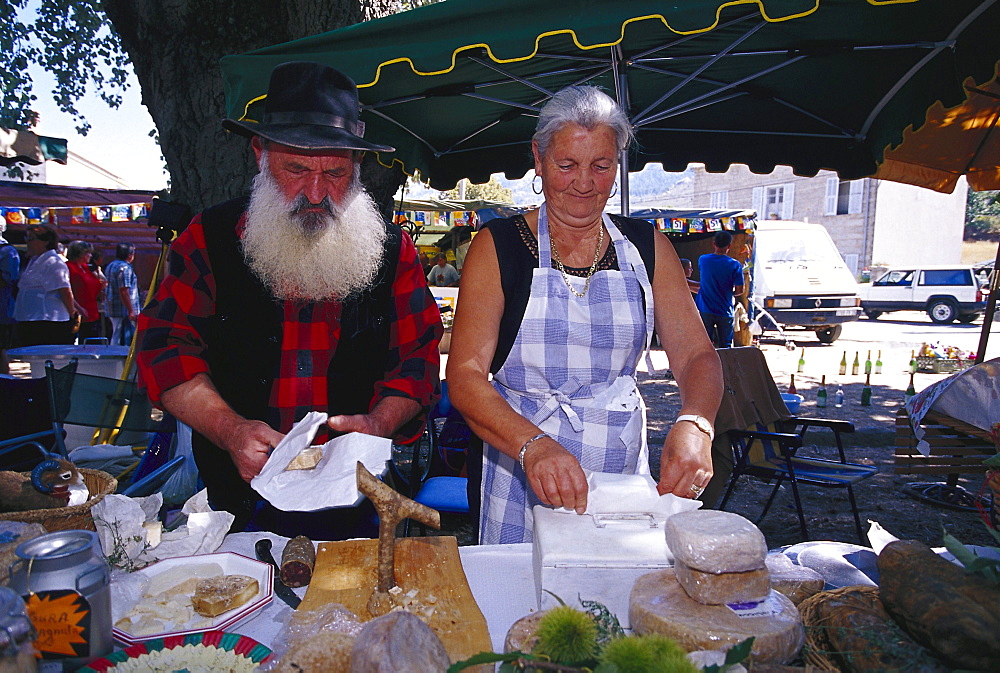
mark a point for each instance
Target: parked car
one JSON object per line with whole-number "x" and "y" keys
{"x": 801, "y": 280}
{"x": 945, "y": 292}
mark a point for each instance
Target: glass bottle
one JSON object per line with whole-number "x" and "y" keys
{"x": 866, "y": 392}
{"x": 878, "y": 363}
{"x": 856, "y": 365}
{"x": 838, "y": 397}
{"x": 913, "y": 362}
{"x": 868, "y": 363}
{"x": 802, "y": 361}
{"x": 910, "y": 390}
{"x": 821, "y": 394}
{"x": 843, "y": 364}
{"x": 792, "y": 390}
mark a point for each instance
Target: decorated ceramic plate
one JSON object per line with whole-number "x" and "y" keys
{"x": 211, "y": 651}
{"x": 178, "y": 618}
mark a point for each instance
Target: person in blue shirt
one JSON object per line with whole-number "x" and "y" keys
{"x": 721, "y": 279}
{"x": 10, "y": 270}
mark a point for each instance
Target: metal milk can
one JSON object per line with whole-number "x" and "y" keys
{"x": 65, "y": 583}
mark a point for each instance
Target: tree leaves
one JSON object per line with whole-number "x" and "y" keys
{"x": 72, "y": 40}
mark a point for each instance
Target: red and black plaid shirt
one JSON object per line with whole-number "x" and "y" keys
{"x": 310, "y": 332}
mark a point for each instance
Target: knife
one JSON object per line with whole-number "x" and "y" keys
{"x": 263, "y": 549}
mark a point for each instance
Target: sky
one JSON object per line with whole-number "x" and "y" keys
{"x": 118, "y": 140}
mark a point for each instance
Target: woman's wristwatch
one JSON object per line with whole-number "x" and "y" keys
{"x": 700, "y": 422}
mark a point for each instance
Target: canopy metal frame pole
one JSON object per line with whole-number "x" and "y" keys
{"x": 621, "y": 92}
{"x": 991, "y": 307}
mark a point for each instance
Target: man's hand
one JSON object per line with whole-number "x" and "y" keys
{"x": 249, "y": 444}
{"x": 686, "y": 461}
{"x": 356, "y": 423}
{"x": 555, "y": 475}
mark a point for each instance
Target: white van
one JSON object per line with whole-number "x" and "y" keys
{"x": 801, "y": 280}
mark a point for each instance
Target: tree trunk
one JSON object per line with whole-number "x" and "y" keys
{"x": 175, "y": 47}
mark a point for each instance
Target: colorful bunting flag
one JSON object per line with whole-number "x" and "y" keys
{"x": 14, "y": 216}
{"x": 120, "y": 213}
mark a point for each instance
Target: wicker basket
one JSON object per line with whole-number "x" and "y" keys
{"x": 941, "y": 365}
{"x": 98, "y": 483}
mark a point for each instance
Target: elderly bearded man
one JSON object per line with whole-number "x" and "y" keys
{"x": 301, "y": 298}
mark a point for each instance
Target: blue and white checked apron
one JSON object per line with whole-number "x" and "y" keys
{"x": 571, "y": 372}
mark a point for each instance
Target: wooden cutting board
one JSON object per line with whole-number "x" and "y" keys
{"x": 345, "y": 574}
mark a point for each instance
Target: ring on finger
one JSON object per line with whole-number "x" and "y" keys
{"x": 697, "y": 490}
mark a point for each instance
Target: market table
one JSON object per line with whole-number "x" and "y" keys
{"x": 500, "y": 576}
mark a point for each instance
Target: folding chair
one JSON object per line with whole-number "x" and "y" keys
{"x": 435, "y": 482}
{"x": 26, "y": 433}
{"x": 765, "y": 437}
{"x": 117, "y": 409}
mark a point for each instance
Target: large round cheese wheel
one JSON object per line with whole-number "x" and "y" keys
{"x": 659, "y": 605}
{"x": 715, "y": 542}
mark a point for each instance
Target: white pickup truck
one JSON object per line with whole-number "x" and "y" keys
{"x": 945, "y": 292}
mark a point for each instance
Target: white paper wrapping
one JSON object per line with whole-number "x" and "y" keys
{"x": 120, "y": 521}
{"x": 333, "y": 482}
{"x": 630, "y": 493}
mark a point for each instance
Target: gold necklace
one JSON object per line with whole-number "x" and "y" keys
{"x": 590, "y": 273}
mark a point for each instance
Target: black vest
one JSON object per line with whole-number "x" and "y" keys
{"x": 244, "y": 336}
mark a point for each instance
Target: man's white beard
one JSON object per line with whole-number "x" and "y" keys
{"x": 312, "y": 257}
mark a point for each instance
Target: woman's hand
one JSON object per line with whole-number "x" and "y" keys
{"x": 555, "y": 475}
{"x": 686, "y": 462}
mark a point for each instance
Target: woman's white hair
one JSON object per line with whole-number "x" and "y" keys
{"x": 586, "y": 106}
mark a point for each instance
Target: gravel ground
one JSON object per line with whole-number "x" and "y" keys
{"x": 828, "y": 512}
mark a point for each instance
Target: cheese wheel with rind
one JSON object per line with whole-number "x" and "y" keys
{"x": 721, "y": 588}
{"x": 715, "y": 542}
{"x": 659, "y": 605}
{"x": 796, "y": 582}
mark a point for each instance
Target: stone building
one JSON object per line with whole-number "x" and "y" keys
{"x": 873, "y": 222}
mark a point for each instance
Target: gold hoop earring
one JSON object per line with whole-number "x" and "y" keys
{"x": 614, "y": 190}
{"x": 539, "y": 190}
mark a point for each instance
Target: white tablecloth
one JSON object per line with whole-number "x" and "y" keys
{"x": 500, "y": 576}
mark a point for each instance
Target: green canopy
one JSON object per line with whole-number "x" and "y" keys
{"x": 456, "y": 86}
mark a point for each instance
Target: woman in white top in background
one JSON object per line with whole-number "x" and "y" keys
{"x": 45, "y": 307}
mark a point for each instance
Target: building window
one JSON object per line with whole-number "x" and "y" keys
{"x": 720, "y": 200}
{"x": 843, "y": 197}
{"x": 775, "y": 202}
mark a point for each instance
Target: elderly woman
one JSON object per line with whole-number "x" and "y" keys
{"x": 559, "y": 306}
{"x": 87, "y": 287}
{"x": 45, "y": 304}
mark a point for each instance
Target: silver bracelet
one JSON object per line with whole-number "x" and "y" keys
{"x": 520, "y": 456}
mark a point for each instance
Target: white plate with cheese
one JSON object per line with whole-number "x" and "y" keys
{"x": 165, "y": 607}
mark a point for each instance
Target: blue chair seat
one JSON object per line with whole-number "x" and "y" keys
{"x": 820, "y": 471}
{"x": 445, "y": 494}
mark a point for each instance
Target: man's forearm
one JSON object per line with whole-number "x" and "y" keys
{"x": 391, "y": 413}
{"x": 198, "y": 404}
{"x": 126, "y": 300}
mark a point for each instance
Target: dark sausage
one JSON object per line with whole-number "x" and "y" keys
{"x": 297, "y": 562}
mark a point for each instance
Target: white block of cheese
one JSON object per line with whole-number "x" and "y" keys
{"x": 715, "y": 542}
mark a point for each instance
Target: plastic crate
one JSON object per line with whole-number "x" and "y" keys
{"x": 941, "y": 365}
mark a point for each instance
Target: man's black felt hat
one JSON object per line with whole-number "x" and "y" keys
{"x": 309, "y": 106}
